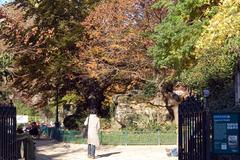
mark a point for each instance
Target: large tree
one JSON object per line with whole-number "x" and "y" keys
{"x": 46, "y": 48}
{"x": 116, "y": 41}
{"x": 199, "y": 40}
{"x": 70, "y": 45}
{"x": 178, "y": 34}
{"x": 217, "y": 49}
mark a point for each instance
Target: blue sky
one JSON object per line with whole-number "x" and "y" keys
{"x": 4, "y": 1}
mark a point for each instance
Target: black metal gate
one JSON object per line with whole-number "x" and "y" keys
{"x": 193, "y": 131}
{"x": 8, "y": 149}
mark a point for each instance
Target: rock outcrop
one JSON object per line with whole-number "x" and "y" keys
{"x": 135, "y": 109}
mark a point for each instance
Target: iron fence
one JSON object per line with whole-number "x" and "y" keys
{"x": 8, "y": 133}
{"x": 124, "y": 137}
{"x": 193, "y": 131}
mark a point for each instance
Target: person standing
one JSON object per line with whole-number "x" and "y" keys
{"x": 93, "y": 123}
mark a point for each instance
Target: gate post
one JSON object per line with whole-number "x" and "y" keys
{"x": 206, "y": 121}
{"x": 206, "y": 133}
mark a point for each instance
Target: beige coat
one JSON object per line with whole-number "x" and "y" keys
{"x": 93, "y": 128}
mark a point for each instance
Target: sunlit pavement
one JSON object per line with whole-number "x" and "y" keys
{"x": 51, "y": 150}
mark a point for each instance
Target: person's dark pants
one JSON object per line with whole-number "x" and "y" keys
{"x": 91, "y": 150}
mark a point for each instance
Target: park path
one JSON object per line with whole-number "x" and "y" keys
{"x": 51, "y": 150}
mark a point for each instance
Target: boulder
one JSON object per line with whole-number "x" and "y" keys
{"x": 134, "y": 109}
{"x": 140, "y": 115}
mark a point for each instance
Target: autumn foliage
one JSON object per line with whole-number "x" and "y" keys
{"x": 100, "y": 42}
{"x": 111, "y": 46}
{"x": 115, "y": 40}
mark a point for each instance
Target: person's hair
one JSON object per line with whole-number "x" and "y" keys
{"x": 93, "y": 111}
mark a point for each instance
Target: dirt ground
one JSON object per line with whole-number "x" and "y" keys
{"x": 50, "y": 150}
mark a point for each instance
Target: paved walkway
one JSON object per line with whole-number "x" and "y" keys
{"x": 50, "y": 150}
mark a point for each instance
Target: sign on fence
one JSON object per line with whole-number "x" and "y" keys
{"x": 226, "y": 133}
{"x": 22, "y": 119}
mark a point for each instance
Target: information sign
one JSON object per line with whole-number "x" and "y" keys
{"x": 22, "y": 119}
{"x": 226, "y": 133}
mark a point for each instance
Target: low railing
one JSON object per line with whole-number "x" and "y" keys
{"x": 25, "y": 147}
{"x": 124, "y": 137}
{"x": 52, "y": 133}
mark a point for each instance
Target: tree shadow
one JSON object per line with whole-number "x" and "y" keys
{"x": 45, "y": 142}
{"x": 107, "y": 154}
{"x": 53, "y": 144}
{"x": 42, "y": 157}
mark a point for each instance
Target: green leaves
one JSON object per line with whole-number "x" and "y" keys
{"x": 176, "y": 35}
{"x": 217, "y": 50}
{"x": 23, "y": 109}
{"x": 198, "y": 39}
{"x": 6, "y": 60}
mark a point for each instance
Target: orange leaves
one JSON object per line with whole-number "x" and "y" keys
{"x": 119, "y": 88}
{"x": 92, "y": 68}
{"x": 92, "y": 65}
{"x": 114, "y": 39}
{"x": 95, "y": 51}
